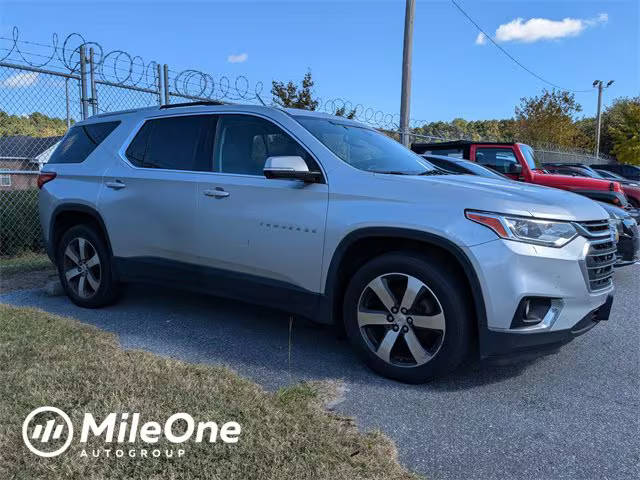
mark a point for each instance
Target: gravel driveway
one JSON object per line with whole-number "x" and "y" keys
{"x": 571, "y": 415}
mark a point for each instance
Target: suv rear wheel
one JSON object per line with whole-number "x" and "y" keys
{"x": 84, "y": 267}
{"x": 407, "y": 317}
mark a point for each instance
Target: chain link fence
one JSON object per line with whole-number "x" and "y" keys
{"x": 46, "y": 88}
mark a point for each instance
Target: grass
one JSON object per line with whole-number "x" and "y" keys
{"x": 27, "y": 262}
{"x": 50, "y": 360}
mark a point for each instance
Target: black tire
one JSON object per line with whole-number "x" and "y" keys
{"x": 450, "y": 297}
{"x": 107, "y": 289}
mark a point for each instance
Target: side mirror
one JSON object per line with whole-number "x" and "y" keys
{"x": 514, "y": 169}
{"x": 291, "y": 167}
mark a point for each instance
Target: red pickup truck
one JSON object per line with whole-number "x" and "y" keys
{"x": 516, "y": 160}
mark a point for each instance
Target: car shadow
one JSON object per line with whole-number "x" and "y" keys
{"x": 267, "y": 345}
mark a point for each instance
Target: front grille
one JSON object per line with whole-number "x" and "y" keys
{"x": 596, "y": 228}
{"x": 599, "y": 261}
{"x": 601, "y": 255}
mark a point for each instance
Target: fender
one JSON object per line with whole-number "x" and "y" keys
{"x": 79, "y": 208}
{"x": 408, "y": 234}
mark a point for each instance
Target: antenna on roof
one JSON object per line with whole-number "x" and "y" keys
{"x": 261, "y": 101}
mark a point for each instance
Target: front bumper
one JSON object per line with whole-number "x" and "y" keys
{"x": 500, "y": 345}
{"x": 510, "y": 271}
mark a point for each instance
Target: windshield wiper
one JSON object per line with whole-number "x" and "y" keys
{"x": 434, "y": 172}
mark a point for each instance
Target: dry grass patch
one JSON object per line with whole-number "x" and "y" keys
{"x": 27, "y": 262}
{"x": 50, "y": 360}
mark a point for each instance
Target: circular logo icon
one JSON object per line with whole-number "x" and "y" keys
{"x": 49, "y": 431}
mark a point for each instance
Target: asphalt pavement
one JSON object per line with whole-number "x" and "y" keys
{"x": 571, "y": 415}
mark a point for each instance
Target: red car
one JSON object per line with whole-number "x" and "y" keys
{"x": 630, "y": 188}
{"x": 516, "y": 160}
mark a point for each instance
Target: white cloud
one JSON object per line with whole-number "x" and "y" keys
{"x": 21, "y": 79}
{"x": 238, "y": 58}
{"x": 536, "y": 29}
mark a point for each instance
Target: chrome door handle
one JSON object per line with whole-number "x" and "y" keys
{"x": 117, "y": 185}
{"x": 218, "y": 193}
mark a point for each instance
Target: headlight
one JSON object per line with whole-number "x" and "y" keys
{"x": 529, "y": 230}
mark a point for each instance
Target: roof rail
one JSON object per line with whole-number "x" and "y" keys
{"x": 191, "y": 104}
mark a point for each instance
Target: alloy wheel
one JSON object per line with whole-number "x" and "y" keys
{"x": 401, "y": 320}
{"x": 82, "y": 268}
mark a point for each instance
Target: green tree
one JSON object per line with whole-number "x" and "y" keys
{"x": 342, "y": 112}
{"x": 290, "y": 95}
{"x": 35, "y": 124}
{"x": 548, "y": 118}
{"x": 624, "y": 129}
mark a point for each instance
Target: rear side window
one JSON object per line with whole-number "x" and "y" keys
{"x": 80, "y": 141}
{"x": 174, "y": 143}
{"x": 497, "y": 158}
{"x": 448, "y": 152}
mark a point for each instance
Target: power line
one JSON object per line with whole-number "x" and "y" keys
{"x": 515, "y": 60}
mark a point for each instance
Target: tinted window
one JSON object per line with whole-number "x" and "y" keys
{"x": 497, "y": 158}
{"x": 138, "y": 147}
{"x": 365, "y": 148}
{"x": 180, "y": 143}
{"x": 447, "y": 152}
{"x": 444, "y": 164}
{"x": 607, "y": 174}
{"x": 80, "y": 141}
{"x": 475, "y": 169}
{"x": 244, "y": 142}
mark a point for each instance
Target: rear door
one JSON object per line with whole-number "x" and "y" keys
{"x": 148, "y": 200}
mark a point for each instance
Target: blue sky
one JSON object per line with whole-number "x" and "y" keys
{"x": 354, "y": 48}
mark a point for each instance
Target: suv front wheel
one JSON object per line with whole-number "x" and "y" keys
{"x": 406, "y": 315}
{"x": 84, "y": 267}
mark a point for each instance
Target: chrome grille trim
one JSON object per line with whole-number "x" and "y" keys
{"x": 594, "y": 228}
{"x": 601, "y": 254}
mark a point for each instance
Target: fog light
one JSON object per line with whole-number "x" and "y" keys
{"x": 531, "y": 311}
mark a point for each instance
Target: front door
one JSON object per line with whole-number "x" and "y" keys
{"x": 269, "y": 229}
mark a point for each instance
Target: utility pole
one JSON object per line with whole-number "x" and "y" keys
{"x": 405, "y": 97}
{"x": 598, "y": 83}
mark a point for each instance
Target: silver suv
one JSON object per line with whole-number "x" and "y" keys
{"x": 328, "y": 219}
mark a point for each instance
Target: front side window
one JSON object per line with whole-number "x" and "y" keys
{"x": 174, "y": 143}
{"x": 500, "y": 159}
{"x": 80, "y": 141}
{"x": 244, "y": 143}
{"x": 364, "y": 148}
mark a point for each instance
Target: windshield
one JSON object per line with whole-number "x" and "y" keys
{"x": 484, "y": 171}
{"x": 529, "y": 157}
{"x": 366, "y": 149}
{"x": 607, "y": 174}
{"x": 590, "y": 172}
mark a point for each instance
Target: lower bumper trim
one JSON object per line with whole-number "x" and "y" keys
{"x": 502, "y": 345}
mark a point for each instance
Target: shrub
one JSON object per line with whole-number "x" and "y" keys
{"x": 20, "y": 230}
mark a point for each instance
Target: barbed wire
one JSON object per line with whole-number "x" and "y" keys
{"x": 124, "y": 69}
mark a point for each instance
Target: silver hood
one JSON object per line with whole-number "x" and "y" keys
{"x": 502, "y": 196}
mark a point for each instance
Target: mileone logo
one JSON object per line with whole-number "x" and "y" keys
{"x": 52, "y": 436}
